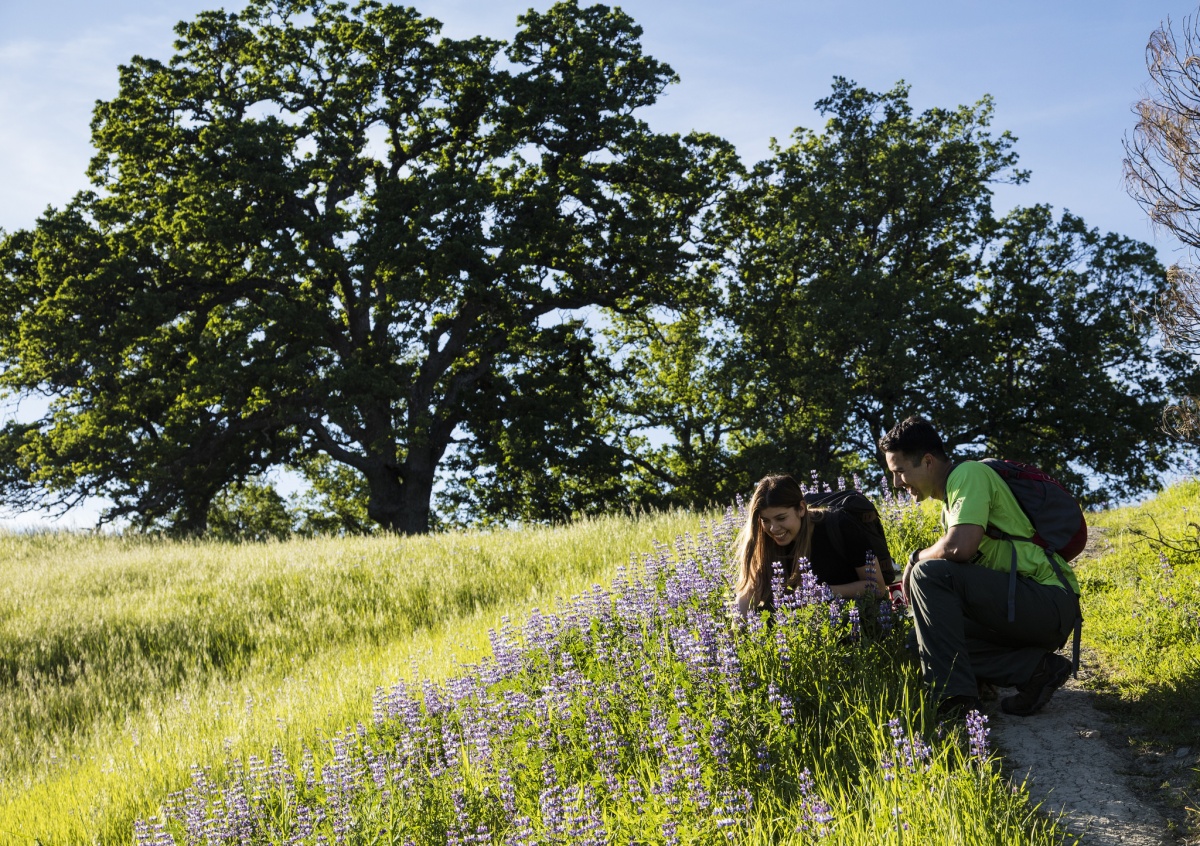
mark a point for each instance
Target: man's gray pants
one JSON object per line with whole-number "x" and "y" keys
{"x": 963, "y": 632}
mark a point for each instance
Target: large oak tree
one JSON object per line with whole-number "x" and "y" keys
{"x": 867, "y": 278}
{"x": 322, "y": 234}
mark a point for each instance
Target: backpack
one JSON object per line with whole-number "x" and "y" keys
{"x": 1058, "y": 521}
{"x": 1058, "y": 525}
{"x": 851, "y": 511}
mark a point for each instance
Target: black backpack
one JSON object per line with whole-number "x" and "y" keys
{"x": 852, "y": 511}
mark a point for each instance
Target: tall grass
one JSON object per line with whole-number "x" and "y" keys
{"x": 1141, "y": 605}
{"x": 127, "y": 660}
{"x": 141, "y": 675}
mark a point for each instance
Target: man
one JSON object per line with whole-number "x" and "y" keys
{"x": 958, "y": 589}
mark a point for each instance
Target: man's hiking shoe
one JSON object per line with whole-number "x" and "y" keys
{"x": 954, "y": 709}
{"x": 1049, "y": 676}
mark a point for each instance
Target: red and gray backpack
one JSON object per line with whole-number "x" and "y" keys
{"x": 1059, "y": 526}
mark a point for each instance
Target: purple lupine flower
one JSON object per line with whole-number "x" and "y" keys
{"x": 908, "y": 750}
{"x": 809, "y": 591}
{"x": 521, "y": 833}
{"x": 763, "y": 756}
{"x": 888, "y": 765}
{"x": 197, "y": 822}
{"x": 836, "y": 604}
{"x": 684, "y": 755}
{"x": 461, "y": 816}
{"x": 885, "y": 615}
{"x": 871, "y": 567}
{"x": 718, "y": 742}
{"x": 670, "y": 830}
{"x": 816, "y": 816}
{"x": 787, "y": 710}
{"x": 377, "y": 766}
{"x": 586, "y": 826}
{"x": 239, "y": 817}
{"x": 728, "y": 663}
{"x": 151, "y": 833}
{"x": 977, "y": 734}
{"x": 554, "y": 819}
{"x": 731, "y": 811}
{"x": 600, "y": 734}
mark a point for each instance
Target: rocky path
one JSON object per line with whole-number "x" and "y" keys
{"x": 1077, "y": 764}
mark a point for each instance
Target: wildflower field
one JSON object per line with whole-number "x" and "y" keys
{"x": 439, "y": 691}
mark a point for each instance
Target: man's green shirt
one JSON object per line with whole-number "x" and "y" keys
{"x": 977, "y": 496}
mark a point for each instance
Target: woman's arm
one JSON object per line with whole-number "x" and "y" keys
{"x": 869, "y": 579}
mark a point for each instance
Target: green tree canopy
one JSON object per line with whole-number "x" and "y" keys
{"x": 325, "y": 232}
{"x": 866, "y": 278}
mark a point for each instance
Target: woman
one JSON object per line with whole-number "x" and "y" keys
{"x": 781, "y": 527}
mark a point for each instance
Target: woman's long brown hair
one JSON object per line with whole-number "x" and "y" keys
{"x": 757, "y": 551}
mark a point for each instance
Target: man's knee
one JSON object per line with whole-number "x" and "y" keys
{"x": 932, "y": 570}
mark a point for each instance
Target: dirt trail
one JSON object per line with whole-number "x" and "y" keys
{"x": 1071, "y": 757}
{"x": 1077, "y": 763}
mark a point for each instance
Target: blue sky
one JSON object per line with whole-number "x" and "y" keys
{"x": 1064, "y": 74}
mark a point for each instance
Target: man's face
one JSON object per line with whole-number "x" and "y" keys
{"x": 912, "y": 473}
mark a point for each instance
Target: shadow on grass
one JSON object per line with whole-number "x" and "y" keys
{"x": 1167, "y": 712}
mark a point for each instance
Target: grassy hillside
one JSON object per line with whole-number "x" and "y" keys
{"x": 1142, "y": 629}
{"x": 1142, "y": 608}
{"x": 133, "y": 669}
{"x": 126, "y": 661}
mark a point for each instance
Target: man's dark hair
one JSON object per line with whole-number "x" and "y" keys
{"x": 912, "y": 437}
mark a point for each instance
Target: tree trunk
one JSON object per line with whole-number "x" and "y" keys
{"x": 402, "y": 504}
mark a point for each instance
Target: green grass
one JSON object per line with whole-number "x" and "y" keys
{"x": 1141, "y": 606}
{"x": 652, "y": 715}
{"x": 128, "y": 660}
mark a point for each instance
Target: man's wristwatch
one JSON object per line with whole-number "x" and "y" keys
{"x": 913, "y": 559}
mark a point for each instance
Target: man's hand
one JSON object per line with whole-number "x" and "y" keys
{"x": 959, "y": 544}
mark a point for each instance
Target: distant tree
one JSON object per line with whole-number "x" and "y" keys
{"x": 1162, "y": 172}
{"x": 677, "y": 405}
{"x": 1065, "y": 376}
{"x": 250, "y": 511}
{"x": 334, "y": 501}
{"x": 321, "y": 231}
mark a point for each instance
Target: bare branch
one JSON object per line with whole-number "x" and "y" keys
{"x": 1162, "y": 172}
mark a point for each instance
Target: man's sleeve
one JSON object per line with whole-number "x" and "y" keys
{"x": 968, "y": 496}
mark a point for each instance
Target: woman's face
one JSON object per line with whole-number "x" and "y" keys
{"x": 782, "y": 524}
